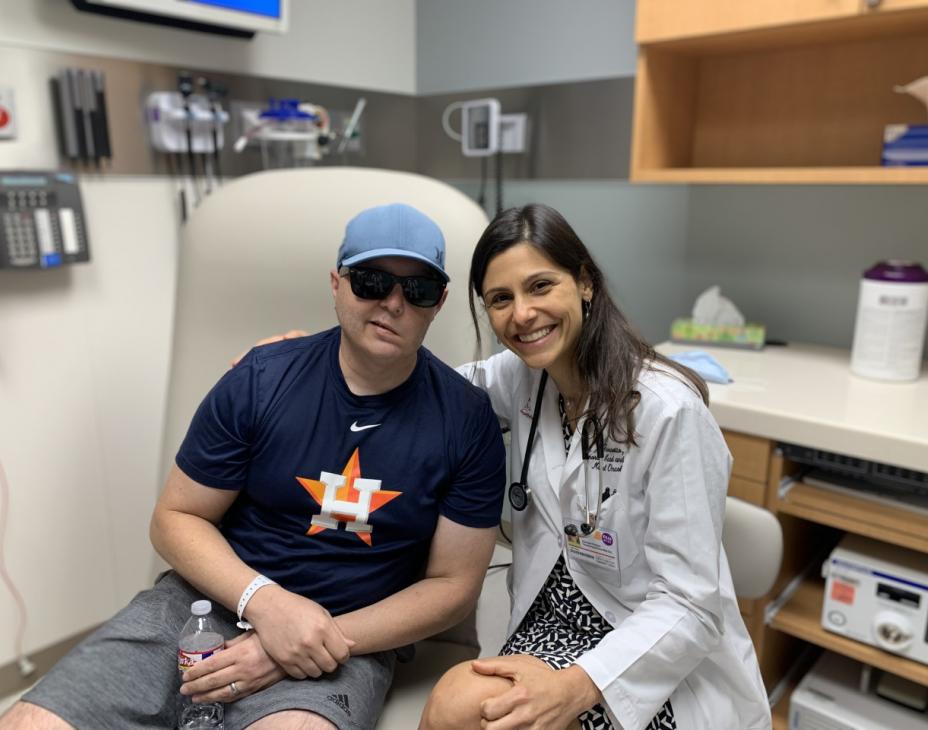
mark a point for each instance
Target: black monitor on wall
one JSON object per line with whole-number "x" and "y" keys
{"x": 238, "y": 18}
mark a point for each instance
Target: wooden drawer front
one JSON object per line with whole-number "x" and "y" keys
{"x": 751, "y": 454}
{"x": 749, "y": 491}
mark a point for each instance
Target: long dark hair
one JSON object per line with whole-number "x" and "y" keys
{"x": 610, "y": 352}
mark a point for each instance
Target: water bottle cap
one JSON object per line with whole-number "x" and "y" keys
{"x": 200, "y": 608}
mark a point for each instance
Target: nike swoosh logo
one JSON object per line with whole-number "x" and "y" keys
{"x": 355, "y": 427}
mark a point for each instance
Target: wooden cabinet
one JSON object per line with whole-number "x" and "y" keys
{"x": 764, "y": 91}
{"x": 813, "y": 519}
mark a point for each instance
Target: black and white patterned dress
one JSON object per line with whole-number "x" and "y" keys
{"x": 562, "y": 624}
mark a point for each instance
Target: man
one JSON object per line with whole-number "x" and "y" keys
{"x": 340, "y": 492}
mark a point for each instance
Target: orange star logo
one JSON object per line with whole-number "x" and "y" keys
{"x": 346, "y": 498}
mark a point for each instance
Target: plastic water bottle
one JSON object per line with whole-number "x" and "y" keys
{"x": 199, "y": 639}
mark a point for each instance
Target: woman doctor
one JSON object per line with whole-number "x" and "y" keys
{"x": 623, "y": 611}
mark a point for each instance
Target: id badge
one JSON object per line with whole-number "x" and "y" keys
{"x": 598, "y": 549}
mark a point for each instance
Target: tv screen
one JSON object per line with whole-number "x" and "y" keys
{"x": 238, "y": 17}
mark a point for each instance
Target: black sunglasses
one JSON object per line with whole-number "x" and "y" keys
{"x": 420, "y": 291}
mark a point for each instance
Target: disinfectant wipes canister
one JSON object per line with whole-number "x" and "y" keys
{"x": 892, "y": 311}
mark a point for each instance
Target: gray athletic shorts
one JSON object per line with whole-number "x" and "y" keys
{"x": 125, "y": 675}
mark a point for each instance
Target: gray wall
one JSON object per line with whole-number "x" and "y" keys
{"x": 636, "y": 232}
{"x": 477, "y": 44}
{"x": 791, "y": 256}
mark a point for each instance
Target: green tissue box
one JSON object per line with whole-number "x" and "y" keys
{"x": 750, "y": 336}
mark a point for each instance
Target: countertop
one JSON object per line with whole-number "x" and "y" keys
{"x": 807, "y": 395}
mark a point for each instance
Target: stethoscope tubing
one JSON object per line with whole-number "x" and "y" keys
{"x": 591, "y": 439}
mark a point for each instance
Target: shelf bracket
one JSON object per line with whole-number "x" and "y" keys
{"x": 773, "y": 608}
{"x": 787, "y": 483}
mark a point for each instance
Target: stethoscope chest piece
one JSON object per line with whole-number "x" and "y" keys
{"x": 519, "y": 495}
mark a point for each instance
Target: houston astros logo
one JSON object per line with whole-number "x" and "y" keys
{"x": 346, "y": 497}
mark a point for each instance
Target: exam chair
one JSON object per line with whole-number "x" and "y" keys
{"x": 253, "y": 261}
{"x": 753, "y": 541}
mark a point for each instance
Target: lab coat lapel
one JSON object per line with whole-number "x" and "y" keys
{"x": 575, "y": 455}
{"x": 551, "y": 436}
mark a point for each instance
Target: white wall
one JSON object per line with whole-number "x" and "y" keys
{"x": 83, "y": 371}
{"x": 479, "y": 44}
{"x": 354, "y": 43}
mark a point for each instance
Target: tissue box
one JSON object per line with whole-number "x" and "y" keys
{"x": 749, "y": 336}
{"x": 905, "y": 145}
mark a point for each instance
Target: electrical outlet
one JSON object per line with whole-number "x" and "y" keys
{"x": 513, "y": 133}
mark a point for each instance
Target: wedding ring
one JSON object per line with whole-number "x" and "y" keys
{"x": 233, "y": 688}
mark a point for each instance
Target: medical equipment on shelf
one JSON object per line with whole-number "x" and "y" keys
{"x": 42, "y": 222}
{"x": 907, "y": 144}
{"x": 834, "y": 695}
{"x": 878, "y": 594}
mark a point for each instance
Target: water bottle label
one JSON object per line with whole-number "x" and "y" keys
{"x": 186, "y": 659}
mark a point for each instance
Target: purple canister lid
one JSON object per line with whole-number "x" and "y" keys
{"x": 903, "y": 272}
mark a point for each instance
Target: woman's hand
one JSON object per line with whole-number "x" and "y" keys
{"x": 541, "y": 698}
{"x": 292, "y": 334}
{"x": 243, "y": 661}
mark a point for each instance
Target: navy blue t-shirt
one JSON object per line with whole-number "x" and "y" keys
{"x": 340, "y": 494}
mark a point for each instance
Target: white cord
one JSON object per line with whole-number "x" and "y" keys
{"x": 26, "y": 667}
{"x": 446, "y": 120}
{"x": 352, "y": 124}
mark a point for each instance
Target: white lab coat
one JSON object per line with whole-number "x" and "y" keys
{"x": 677, "y": 631}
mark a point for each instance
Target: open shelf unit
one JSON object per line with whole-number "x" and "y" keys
{"x": 802, "y": 102}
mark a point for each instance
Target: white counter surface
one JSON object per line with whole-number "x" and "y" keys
{"x": 807, "y": 395}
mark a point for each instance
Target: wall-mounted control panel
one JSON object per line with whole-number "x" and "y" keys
{"x": 42, "y": 221}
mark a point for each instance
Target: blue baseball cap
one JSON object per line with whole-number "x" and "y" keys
{"x": 393, "y": 230}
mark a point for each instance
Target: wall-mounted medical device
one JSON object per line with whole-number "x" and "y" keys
{"x": 179, "y": 124}
{"x": 42, "y": 222}
{"x": 485, "y": 130}
{"x": 291, "y": 132}
{"x": 79, "y": 97}
{"x": 832, "y": 696}
{"x": 242, "y": 18}
{"x": 878, "y": 594}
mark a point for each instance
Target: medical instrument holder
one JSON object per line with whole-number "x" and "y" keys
{"x": 168, "y": 121}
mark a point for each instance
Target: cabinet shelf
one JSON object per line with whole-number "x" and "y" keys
{"x": 801, "y": 617}
{"x": 794, "y": 175}
{"x": 791, "y": 104}
{"x": 876, "y": 520}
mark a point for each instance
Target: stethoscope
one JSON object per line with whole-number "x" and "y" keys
{"x": 591, "y": 436}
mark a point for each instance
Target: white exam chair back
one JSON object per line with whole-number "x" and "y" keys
{"x": 753, "y": 541}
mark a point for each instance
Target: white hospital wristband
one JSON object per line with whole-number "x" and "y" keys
{"x": 258, "y": 583}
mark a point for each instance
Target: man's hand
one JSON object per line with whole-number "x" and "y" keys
{"x": 292, "y": 334}
{"x": 541, "y": 698}
{"x": 244, "y": 661}
{"x": 297, "y": 633}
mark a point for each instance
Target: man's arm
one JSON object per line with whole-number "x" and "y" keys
{"x": 457, "y": 565}
{"x": 296, "y": 632}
